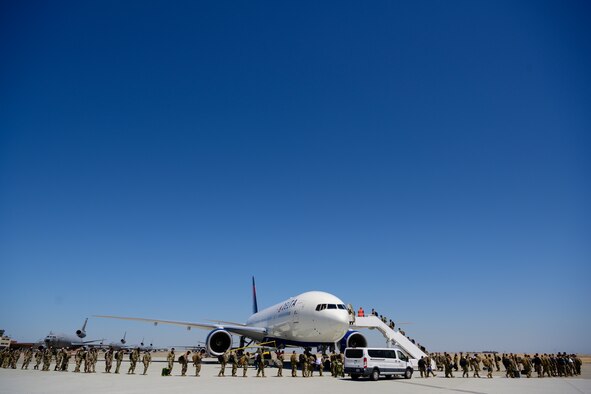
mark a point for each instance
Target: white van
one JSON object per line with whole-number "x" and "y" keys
{"x": 373, "y": 362}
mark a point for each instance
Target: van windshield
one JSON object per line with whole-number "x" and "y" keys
{"x": 353, "y": 353}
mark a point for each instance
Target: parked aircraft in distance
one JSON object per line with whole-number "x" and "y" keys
{"x": 311, "y": 319}
{"x": 65, "y": 340}
{"x": 122, "y": 344}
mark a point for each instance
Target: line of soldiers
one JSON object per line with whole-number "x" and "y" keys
{"x": 551, "y": 365}
{"x": 184, "y": 362}
{"x": 84, "y": 358}
{"x": 307, "y": 362}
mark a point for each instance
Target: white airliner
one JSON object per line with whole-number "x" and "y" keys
{"x": 311, "y": 319}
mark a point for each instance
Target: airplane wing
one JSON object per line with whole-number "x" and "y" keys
{"x": 238, "y": 329}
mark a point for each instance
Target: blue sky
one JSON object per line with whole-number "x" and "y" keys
{"x": 429, "y": 159}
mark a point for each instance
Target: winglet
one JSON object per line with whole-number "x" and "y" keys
{"x": 255, "y": 307}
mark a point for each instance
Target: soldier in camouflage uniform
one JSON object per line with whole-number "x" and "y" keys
{"x": 38, "y": 358}
{"x": 170, "y": 360}
{"x": 234, "y": 361}
{"x": 108, "y": 360}
{"x": 58, "y": 360}
{"x": 311, "y": 364}
{"x": 303, "y": 359}
{"x": 260, "y": 364}
{"x": 294, "y": 364}
{"x": 527, "y": 367}
{"x": 16, "y": 354}
{"x": 475, "y": 362}
{"x": 197, "y": 356}
{"x": 47, "y": 355}
{"x": 87, "y": 361}
{"x": 66, "y": 359}
{"x": 184, "y": 361}
{"x": 447, "y": 365}
{"x": 119, "y": 359}
{"x": 78, "y": 356}
{"x": 244, "y": 363}
{"x": 223, "y": 359}
{"x": 134, "y": 357}
{"x": 488, "y": 363}
{"x": 464, "y": 366}
{"x": 27, "y": 358}
{"x": 279, "y": 363}
{"x": 146, "y": 360}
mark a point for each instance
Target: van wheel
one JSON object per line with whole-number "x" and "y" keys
{"x": 354, "y": 376}
{"x": 408, "y": 373}
{"x": 375, "y": 375}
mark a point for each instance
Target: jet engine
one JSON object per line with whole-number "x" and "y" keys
{"x": 81, "y": 333}
{"x": 352, "y": 339}
{"x": 218, "y": 341}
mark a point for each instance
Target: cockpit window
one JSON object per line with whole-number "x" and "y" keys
{"x": 332, "y": 306}
{"x": 320, "y": 307}
{"x": 341, "y": 306}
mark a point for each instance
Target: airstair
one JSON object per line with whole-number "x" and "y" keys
{"x": 393, "y": 338}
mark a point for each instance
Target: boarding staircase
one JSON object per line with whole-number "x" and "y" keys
{"x": 393, "y": 338}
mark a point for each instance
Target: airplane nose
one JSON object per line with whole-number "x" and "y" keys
{"x": 340, "y": 319}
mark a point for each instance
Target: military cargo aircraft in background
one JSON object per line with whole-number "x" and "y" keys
{"x": 59, "y": 340}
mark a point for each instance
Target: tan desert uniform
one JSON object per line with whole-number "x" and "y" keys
{"x": 223, "y": 359}
{"x": 244, "y": 363}
{"x": 146, "y": 360}
{"x": 184, "y": 361}
{"x": 475, "y": 362}
{"x": 108, "y": 360}
{"x": 170, "y": 359}
{"x": 234, "y": 359}
{"x": 294, "y": 364}
{"x": 526, "y": 362}
{"x": 134, "y": 357}
{"x": 280, "y": 364}
{"x": 261, "y": 365}
{"x": 197, "y": 362}
{"x": 27, "y": 359}
{"x": 119, "y": 359}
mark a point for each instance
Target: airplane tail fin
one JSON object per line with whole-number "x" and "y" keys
{"x": 255, "y": 306}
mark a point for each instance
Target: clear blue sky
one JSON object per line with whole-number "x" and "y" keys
{"x": 429, "y": 159}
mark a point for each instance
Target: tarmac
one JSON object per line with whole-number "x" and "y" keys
{"x": 15, "y": 381}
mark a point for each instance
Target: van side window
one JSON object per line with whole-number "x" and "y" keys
{"x": 375, "y": 353}
{"x": 390, "y": 353}
{"x": 402, "y": 356}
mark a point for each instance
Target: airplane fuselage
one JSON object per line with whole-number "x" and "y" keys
{"x": 303, "y": 319}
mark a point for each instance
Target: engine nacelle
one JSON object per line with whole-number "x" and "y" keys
{"x": 80, "y": 333}
{"x": 218, "y": 342}
{"x": 352, "y": 339}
